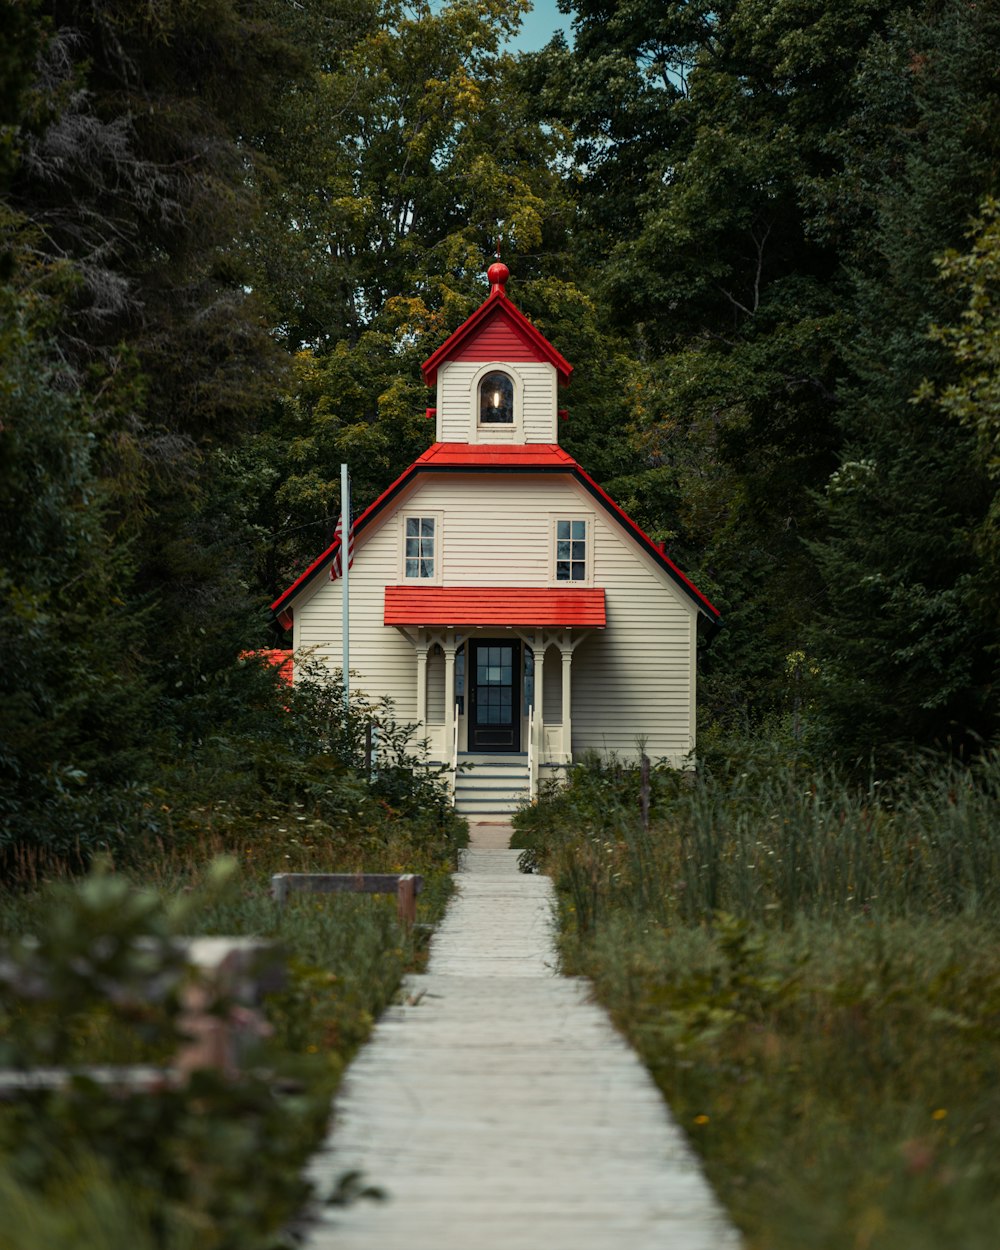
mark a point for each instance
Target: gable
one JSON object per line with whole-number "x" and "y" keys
{"x": 496, "y": 317}
{"x": 536, "y": 464}
{"x": 497, "y": 338}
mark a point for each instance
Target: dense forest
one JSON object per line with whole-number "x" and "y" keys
{"x": 764, "y": 231}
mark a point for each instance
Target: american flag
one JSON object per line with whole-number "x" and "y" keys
{"x": 338, "y": 535}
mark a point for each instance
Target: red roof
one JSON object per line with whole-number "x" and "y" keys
{"x": 498, "y": 458}
{"x": 500, "y": 455}
{"x": 493, "y": 605}
{"x": 283, "y": 661}
{"x": 481, "y": 338}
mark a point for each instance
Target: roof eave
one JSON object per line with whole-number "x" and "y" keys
{"x": 281, "y": 608}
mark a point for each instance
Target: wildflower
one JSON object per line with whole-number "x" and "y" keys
{"x": 940, "y": 1114}
{"x": 701, "y": 1119}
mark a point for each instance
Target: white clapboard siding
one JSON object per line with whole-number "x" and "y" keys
{"x": 553, "y": 687}
{"x": 435, "y": 687}
{"x": 535, "y": 403}
{"x": 635, "y": 678}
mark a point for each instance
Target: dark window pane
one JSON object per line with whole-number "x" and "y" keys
{"x": 496, "y": 400}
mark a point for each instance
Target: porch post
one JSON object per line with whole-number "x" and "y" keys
{"x": 421, "y": 680}
{"x": 539, "y": 650}
{"x": 449, "y": 690}
{"x": 567, "y": 698}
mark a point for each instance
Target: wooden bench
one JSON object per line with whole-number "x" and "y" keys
{"x": 406, "y": 886}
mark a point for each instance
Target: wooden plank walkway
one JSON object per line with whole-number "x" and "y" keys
{"x": 498, "y": 1107}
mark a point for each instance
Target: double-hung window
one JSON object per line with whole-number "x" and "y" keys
{"x": 571, "y": 551}
{"x": 420, "y": 547}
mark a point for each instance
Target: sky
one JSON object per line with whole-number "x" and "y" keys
{"x": 539, "y": 26}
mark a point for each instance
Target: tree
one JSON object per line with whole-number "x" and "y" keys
{"x": 702, "y": 134}
{"x": 908, "y": 637}
{"x": 387, "y": 179}
{"x": 75, "y": 700}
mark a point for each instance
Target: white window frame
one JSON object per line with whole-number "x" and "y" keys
{"x": 427, "y": 514}
{"x": 506, "y": 433}
{"x": 588, "y": 538}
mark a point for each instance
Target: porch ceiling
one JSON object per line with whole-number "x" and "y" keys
{"x": 473, "y": 606}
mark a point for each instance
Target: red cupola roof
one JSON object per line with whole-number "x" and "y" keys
{"x": 497, "y": 330}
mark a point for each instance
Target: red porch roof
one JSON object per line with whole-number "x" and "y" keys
{"x": 471, "y": 606}
{"x": 495, "y": 455}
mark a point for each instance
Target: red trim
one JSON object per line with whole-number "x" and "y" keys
{"x": 508, "y": 457}
{"x": 496, "y": 455}
{"x": 497, "y": 304}
{"x": 471, "y": 606}
{"x": 282, "y": 660}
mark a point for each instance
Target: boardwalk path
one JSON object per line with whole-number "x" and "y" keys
{"x": 498, "y": 1107}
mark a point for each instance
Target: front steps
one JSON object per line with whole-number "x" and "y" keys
{"x": 491, "y": 785}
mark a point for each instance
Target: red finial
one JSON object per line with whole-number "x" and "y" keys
{"x": 498, "y": 273}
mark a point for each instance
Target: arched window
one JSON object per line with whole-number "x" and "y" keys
{"x": 496, "y": 399}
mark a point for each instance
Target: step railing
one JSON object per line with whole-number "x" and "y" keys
{"x": 532, "y": 756}
{"x": 454, "y": 755}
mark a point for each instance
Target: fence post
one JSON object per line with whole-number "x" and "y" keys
{"x": 406, "y": 899}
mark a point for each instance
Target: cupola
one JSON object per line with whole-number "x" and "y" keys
{"x": 497, "y": 377}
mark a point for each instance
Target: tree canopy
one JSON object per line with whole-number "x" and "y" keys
{"x": 765, "y": 232}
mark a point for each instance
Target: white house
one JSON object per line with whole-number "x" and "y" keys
{"x": 505, "y": 603}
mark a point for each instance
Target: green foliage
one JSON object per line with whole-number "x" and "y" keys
{"x": 81, "y": 1203}
{"x": 395, "y": 164}
{"x": 808, "y": 968}
{"x": 73, "y": 699}
{"x": 836, "y": 1080}
{"x": 764, "y": 188}
{"x": 767, "y": 840}
{"x": 908, "y": 631}
{"x": 975, "y": 340}
{"x": 92, "y": 975}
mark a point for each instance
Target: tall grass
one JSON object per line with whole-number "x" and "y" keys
{"x": 773, "y": 844}
{"x": 810, "y": 967}
{"x": 217, "y": 1162}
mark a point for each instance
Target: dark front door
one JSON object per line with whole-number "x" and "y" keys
{"x": 495, "y": 696}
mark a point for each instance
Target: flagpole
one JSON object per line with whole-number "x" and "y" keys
{"x": 345, "y": 565}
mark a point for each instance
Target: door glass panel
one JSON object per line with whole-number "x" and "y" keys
{"x": 496, "y": 699}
